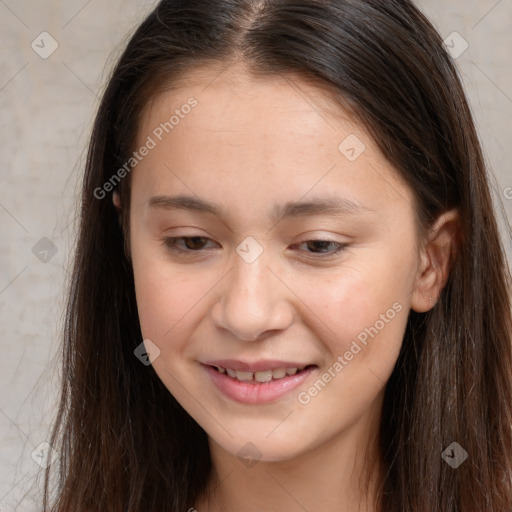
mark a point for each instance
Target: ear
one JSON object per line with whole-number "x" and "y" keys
{"x": 116, "y": 199}
{"x": 437, "y": 255}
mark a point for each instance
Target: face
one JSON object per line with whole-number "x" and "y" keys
{"x": 274, "y": 251}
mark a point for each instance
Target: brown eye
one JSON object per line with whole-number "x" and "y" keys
{"x": 323, "y": 247}
{"x": 184, "y": 244}
{"x": 195, "y": 242}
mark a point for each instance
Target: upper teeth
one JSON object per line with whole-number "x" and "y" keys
{"x": 264, "y": 376}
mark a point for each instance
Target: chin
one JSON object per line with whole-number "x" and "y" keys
{"x": 258, "y": 448}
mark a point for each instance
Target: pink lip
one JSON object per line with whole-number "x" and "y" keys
{"x": 256, "y": 392}
{"x": 257, "y": 366}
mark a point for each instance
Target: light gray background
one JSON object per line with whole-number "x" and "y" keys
{"x": 47, "y": 109}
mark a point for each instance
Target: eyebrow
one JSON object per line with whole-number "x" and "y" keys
{"x": 330, "y": 205}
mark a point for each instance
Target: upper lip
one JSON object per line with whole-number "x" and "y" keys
{"x": 255, "y": 366}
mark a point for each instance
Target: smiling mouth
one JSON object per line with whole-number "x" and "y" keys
{"x": 261, "y": 376}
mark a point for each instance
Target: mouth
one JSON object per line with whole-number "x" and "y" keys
{"x": 257, "y": 384}
{"x": 263, "y": 376}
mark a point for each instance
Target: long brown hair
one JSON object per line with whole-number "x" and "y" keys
{"x": 125, "y": 443}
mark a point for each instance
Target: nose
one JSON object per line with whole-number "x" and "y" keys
{"x": 253, "y": 303}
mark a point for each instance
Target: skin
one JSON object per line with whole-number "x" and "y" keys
{"x": 251, "y": 144}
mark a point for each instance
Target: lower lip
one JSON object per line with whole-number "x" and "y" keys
{"x": 260, "y": 392}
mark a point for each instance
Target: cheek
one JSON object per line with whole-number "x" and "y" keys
{"x": 166, "y": 296}
{"x": 361, "y": 316}
{"x": 354, "y": 298}
{"x": 366, "y": 325}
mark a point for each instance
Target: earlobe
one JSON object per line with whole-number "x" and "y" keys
{"x": 116, "y": 199}
{"x": 437, "y": 258}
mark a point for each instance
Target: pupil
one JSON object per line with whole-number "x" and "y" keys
{"x": 194, "y": 242}
{"x": 320, "y": 244}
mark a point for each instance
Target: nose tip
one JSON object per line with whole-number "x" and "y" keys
{"x": 251, "y": 304}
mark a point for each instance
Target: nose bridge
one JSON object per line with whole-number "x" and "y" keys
{"x": 251, "y": 301}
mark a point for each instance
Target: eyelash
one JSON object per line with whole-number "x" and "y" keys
{"x": 171, "y": 244}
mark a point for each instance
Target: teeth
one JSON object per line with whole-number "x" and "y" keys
{"x": 279, "y": 374}
{"x": 244, "y": 375}
{"x": 264, "y": 376}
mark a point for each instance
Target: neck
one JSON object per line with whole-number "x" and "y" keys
{"x": 343, "y": 474}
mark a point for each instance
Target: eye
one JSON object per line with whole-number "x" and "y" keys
{"x": 189, "y": 245}
{"x": 323, "y": 248}
{"x": 186, "y": 244}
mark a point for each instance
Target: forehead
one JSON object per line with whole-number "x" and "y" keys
{"x": 238, "y": 94}
{"x": 258, "y": 136}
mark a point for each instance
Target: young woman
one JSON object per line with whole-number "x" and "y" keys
{"x": 289, "y": 290}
